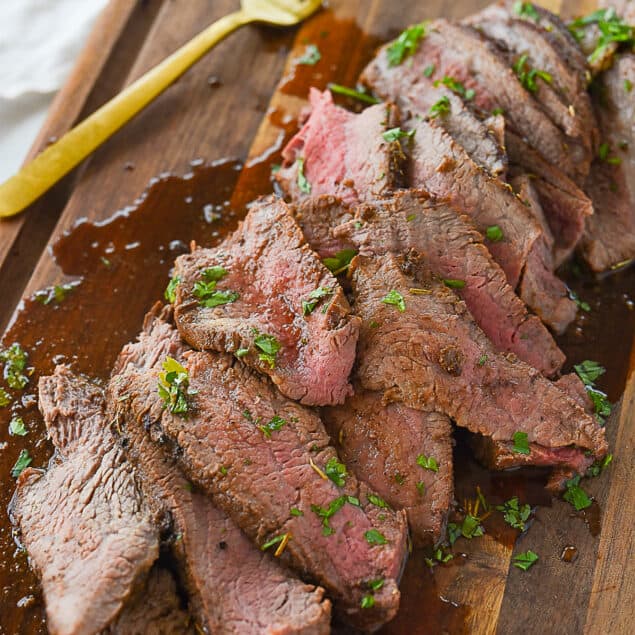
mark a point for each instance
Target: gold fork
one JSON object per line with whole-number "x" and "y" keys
{"x": 61, "y": 157}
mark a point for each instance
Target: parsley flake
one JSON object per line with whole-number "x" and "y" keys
{"x": 456, "y": 87}
{"x": 14, "y": 359}
{"x": 268, "y": 346}
{"x": 585, "y": 306}
{"x": 275, "y": 424}
{"x": 471, "y": 527}
{"x": 603, "y": 154}
{"x": 173, "y": 386}
{"x": 340, "y": 261}
{"x": 429, "y": 70}
{"x": 315, "y": 296}
{"x": 311, "y": 55}
{"x": 5, "y": 398}
{"x": 527, "y": 76}
{"x": 454, "y": 284}
{"x": 336, "y": 471}
{"x": 406, "y": 44}
{"x": 294, "y": 511}
{"x": 55, "y": 294}
{"x": 326, "y": 513}
{"x": 303, "y": 183}
{"x": 599, "y": 466}
{"x": 428, "y": 463}
{"x": 24, "y": 460}
{"x": 353, "y": 94}
{"x": 526, "y": 10}
{"x": 525, "y": 560}
{"x": 521, "y": 443}
{"x": 494, "y": 234}
{"x": 589, "y": 371}
{"x": 17, "y": 427}
{"x": 440, "y": 107}
{"x": 515, "y": 514}
{"x": 378, "y": 501}
{"x": 368, "y": 601}
{"x": 394, "y": 134}
{"x": 575, "y": 495}
{"x": 374, "y": 537}
{"x": 170, "y": 291}
{"x": 611, "y": 28}
{"x": 395, "y": 298}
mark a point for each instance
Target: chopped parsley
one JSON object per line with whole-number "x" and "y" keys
{"x": 611, "y": 27}
{"x": 207, "y": 293}
{"x": 170, "y": 291}
{"x": 599, "y": 466}
{"x": 326, "y": 513}
{"x": 294, "y": 511}
{"x": 340, "y": 261}
{"x": 521, "y": 443}
{"x": 428, "y": 463}
{"x": 311, "y": 55}
{"x": 375, "y": 585}
{"x": 17, "y": 427}
{"x": 14, "y": 359}
{"x": 55, "y": 294}
{"x": 173, "y": 386}
{"x": 628, "y": 85}
{"x": 280, "y": 540}
{"x": 603, "y": 154}
{"x": 336, "y": 471}
{"x": 421, "y": 488}
{"x": 482, "y": 359}
{"x": 494, "y": 233}
{"x": 400, "y": 478}
{"x": 396, "y": 299}
{"x": 5, "y": 398}
{"x": 368, "y": 601}
{"x": 406, "y": 44}
{"x": 454, "y": 284}
{"x": 241, "y": 352}
{"x": 315, "y": 296}
{"x": 438, "y": 557}
{"x": 579, "y": 303}
{"x": 268, "y": 346}
{"x": 497, "y": 111}
{"x": 354, "y": 94}
{"x": 394, "y": 134}
{"x": 526, "y": 10}
{"x": 589, "y": 371}
{"x": 456, "y": 87}
{"x": 303, "y": 183}
{"x": 378, "y": 501}
{"x": 527, "y": 76}
{"x": 471, "y": 527}
{"x": 440, "y": 107}
{"x": 429, "y": 70}
{"x": 24, "y": 460}
{"x": 275, "y": 424}
{"x": 454, "y": 532}
{"x": 515, "y": 514}
{"x": 374, "y": 537}
{"x": 575, "y": 495}
{"x": 525, "y": 560}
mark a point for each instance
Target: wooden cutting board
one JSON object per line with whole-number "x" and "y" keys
{"x": 242, "y": 101}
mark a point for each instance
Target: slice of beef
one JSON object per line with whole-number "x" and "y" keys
{"x": 433, "y": 357}
{"x": 460, "y": 52}
{"x": 609, "y": 240}
{"x": 83, "y": 521}
{"x": 565, "y": 205}
{"x": 442, "y": 167}
{"x": 155, "y": 610}
{"x": 340, "y": 153}
{"x": 263, "y": 459}
{"x": 416, "y": 94}
{"x": 273, "y": 272}
{"x": 453, "y": 249}
{"x": 564, "y": 97}
{"x": 233, "y": 586}
{"x": 380, "y": 443}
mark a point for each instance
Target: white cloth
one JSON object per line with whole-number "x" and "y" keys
{"x": 39, "y": 42}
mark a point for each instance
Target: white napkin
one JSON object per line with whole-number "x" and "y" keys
{"x": 39, "y": 42}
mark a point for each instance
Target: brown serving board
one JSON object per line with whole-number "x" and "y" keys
{"x": 241, "y": 101}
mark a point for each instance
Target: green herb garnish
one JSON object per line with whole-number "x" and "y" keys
{"x": 275, "y": 424}
{"x": 471, "y": 527}
{"x": 303, "y": 183}
{"x": 17, "y": 427}
{"x": 354, "y": 94}
{"x": 525, "y": 560}
{"x": 170, "y": 291}
{"x": 368, "y": 601}
{"x": 599, "y": 466}
{"x": 394, "y": 134}
{"x": 325, "y": 513}
{"x": 396, "y": 299}
{"x": 603, "y": 154}
{"x": 526, "y": 10}
{"x": 454, "y": 284}
{"x": 611, "y": 27}
{"x": 406, "y": 44}
{"x": 24, "y": 460}
{"x": 527, "y": 76}
{"x": 521, "y": 443}
{"x": 378, "y": 501}
{"x": 374, "y": 537}
{"x": 482, "y": 359}
{"x": 428, "y": 463}
{"x": 428, "y": 71}
{"x": 580, "y": 303}
{"x": 336, "y": 471}
{"x": 440, "y": 107}
{"x": 421, "y": 488}
{"x": 340, "y": 261}
{"x": 456, "y": 87}
{"x": 14, "y": 359}
{"x": 575, "y": 495}
{"x": 515, "y": 514}
{"x": 311, "y": 55}
{"x": 5, "y": 398}
{"x": 268, "y": 346}
{"x": 281, "y": 540}
{"x": 315, "y": 296}
{"x": 294, "y": 511}
{"x": 494, "y": 234}
{"x": 241, "y": 352}
{"x": 173, "y": 386}
{"x": 55, "y": 294}
{"x": 589, "y": 371}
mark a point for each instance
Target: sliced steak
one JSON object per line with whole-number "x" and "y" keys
{"x": 416, "y": 94}
{"x": 234, "y": 587}
{"x": 609, "y": 239}
{"x": 84, "y": 523}
{"x": 433, "y": 357}
{"x": 155, "y": 610}
{"x": 262, "y": 457}
{"x": 340, "y": 153}
{"x": 441, "y": 166}
{"x": 272, "y": 273}
{"x": 460, "y": 52}
{"x": 564, "y": 97}
{"x": 453, "y": 249}
{"x": 565, "y": 205}
{"x": 380, "y": 443}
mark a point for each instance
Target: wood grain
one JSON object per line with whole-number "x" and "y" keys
{"x": 246, "y": 117}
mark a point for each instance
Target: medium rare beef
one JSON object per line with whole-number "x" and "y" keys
{"x": 463, "y": 54}
{"x": 263, "y": 295}
{"x": 564, "y": 97}
{"x": 155, "y": 610}
{"x": 441, "y": 166}
{"x": 340, "y": 153}
{"x": 416, "y": 94}
{"x": 453, "y": 249}
{"x": 233, "y": 586}
{"x": 405, "y": 455}
{"x": 433, "y": 357}
{"x": 264, "y": 460}
{"x": 83, "y": 522}
{"x": 609, "y": 239}
{"x": 565, "y": 206}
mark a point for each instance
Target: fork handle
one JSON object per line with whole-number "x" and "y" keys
{"x": 48, "y": 167}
